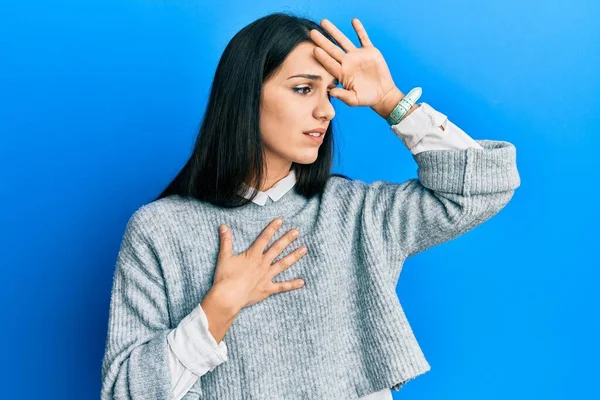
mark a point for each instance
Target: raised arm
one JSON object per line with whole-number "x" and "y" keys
{"x": 456, "y": 190}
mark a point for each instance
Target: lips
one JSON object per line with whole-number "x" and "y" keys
{"x": 318, "y": 139}
{"x": 319, "y": 130}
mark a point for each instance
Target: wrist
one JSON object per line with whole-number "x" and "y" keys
{"x": 389, "y": 108}
{"x": 389, "y": 101}
{"x": 221, "y": 297}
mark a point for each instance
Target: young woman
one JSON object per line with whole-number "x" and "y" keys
{"x": 202, "y": 313}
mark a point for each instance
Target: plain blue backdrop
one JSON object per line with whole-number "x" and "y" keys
{"x": 100, "y": 102}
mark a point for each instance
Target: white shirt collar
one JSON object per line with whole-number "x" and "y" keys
{"x": 275, "y": 193}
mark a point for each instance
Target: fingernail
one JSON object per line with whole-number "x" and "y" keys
{"x": 223, "y": 229}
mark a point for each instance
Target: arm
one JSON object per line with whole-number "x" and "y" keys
{"x": 135, "y": 364}
{"x": 456, "y": 190}
{"x": 193, "y": 348}
{"x": 137, "y": 360}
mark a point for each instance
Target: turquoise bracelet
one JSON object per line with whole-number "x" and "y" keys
{"x": 404, "y": 105}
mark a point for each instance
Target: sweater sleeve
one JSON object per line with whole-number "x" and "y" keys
{"x": 136, "y": 363}
{"x": 456, "y": 190}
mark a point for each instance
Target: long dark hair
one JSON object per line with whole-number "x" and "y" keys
{"x": 228, "y": 149}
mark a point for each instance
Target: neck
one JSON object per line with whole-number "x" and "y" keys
{"x": 271, "y": 179}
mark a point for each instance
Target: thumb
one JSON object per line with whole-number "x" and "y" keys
{"x": 225, "y": 236}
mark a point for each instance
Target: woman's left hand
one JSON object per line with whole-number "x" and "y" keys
{"x": 362, "y": 72}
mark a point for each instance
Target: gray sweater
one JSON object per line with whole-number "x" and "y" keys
{"x": 344, "y": 334}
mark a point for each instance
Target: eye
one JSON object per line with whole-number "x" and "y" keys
{"x": 299, "y": 89}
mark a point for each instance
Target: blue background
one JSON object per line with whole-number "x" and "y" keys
{"x": 100, "y": 102}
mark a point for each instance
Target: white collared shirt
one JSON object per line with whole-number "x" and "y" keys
{"x": 419, "y": 131}
{"x": 275, "y": 192}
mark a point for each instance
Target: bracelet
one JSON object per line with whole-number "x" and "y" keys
{"x": 404, "y": 105}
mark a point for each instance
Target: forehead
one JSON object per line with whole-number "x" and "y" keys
{"x": 301, "y": 60}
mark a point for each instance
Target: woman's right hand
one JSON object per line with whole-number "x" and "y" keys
{"x": 248, "y": 276}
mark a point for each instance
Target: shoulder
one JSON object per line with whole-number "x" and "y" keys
{"x": 157, "y": 214}
{"x": 340, "y": 185}
{"x": 355, "y": 194}
{"x": 338, "y": 182}
{"x": 344, "y": 190}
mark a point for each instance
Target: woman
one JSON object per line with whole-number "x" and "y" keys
{"x": 180, "y": 286}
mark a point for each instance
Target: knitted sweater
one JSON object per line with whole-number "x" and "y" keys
{"x": 192, "y": 342}
{"x": 347, "y": 318}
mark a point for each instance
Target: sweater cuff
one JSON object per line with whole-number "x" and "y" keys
{"x": 470, "y": 171}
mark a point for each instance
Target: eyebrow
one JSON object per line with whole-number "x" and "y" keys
{"x": 335, "y": 81}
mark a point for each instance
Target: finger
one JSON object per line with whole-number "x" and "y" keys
{"x": 287, "y": 261}
{"x": 267, "y": 234}
{"x": 327, "y": 45}
{"x": 281, "y": 244}
{"x": 330, "y": 64}
{"x": 347, "y": 96}
{"x": 279, "y": 287}
{"x": 338, "y": 35}
{"x": 361, "y": 33}
{"x": 225, "y": 242}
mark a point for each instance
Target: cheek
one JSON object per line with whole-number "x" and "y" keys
{"x": 282, "y": 121}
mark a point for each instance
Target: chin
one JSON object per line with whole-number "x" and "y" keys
{"x": 307, "y": 159}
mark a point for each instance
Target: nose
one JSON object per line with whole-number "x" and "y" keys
{"x": 324, "y": 109}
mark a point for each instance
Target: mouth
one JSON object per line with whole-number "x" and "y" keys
{"x": 315, "y": 136}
